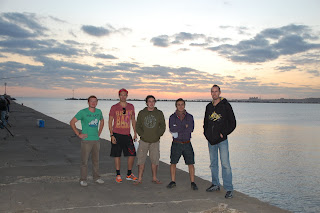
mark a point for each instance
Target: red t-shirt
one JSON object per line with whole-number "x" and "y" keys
{"x": 121, "y": 122}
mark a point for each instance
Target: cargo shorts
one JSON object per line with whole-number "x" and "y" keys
{"x": 152, "y": 148}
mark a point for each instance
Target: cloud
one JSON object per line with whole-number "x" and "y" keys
{"x": 199, "y": 44}
{"x": 103, "y": 31}
{"x": 184, "y": 37}
{"x": 269, "y": 45}
{"x": 105, "y": 56}
{"x": 184, "y": 49}
{"x": 20, "y": 43}
{"x": 12, "y": 30}
{"x": 242, "y": 30}
{"x": 306, "y": 58}
{"x": 35, "y": 47}
{"x": 160, "y": 41}
{"x": 95, "y": 31}
{"x": 315, "y": 73}
{"x": 57, "y": 19}
{"x": 20, "y": 25}
{"x": 53, "y": 73}
{"x": 73, "y": 34}
{"x": 285, "y": 68}
{"x": 29, "y": 21}
{"x": 123, "y": 30}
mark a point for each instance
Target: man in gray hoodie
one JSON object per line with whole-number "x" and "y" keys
{"x": 150, "y": 127}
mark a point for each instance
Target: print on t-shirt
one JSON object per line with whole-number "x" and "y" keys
{"x": 123, "y": 120}
{"x": 94, "y": 123}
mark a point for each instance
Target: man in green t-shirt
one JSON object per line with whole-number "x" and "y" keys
{"x": 90, "y": 138}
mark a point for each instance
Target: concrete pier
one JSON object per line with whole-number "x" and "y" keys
{"x": 40, "y": 168}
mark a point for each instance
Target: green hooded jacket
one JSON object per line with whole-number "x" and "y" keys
{"x": 150, "y": 125}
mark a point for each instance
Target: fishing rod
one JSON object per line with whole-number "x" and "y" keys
{"x": 1, "y": 123}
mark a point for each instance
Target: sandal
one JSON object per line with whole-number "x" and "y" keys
{"x": 137, "y": 182}
{"x": 156, "y": 182}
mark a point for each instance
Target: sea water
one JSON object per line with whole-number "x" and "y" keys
{"x": 274, "y": 151}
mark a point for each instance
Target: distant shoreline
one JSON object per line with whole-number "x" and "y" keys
{"x": 250, "y": 100}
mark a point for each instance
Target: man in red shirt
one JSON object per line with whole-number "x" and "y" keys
{"x": 120, "y": 117}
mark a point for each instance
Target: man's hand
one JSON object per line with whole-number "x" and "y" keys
{"x": 82, "y": 136}
{"x": 221, "y": 135}
{"x": 135, "y": 136}
{"x": 113, "y": 140}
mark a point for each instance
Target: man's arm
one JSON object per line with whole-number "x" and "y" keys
{"x": 101, "y": 126}
{"x": 113, "y": 139}
{"x": 162, "y": 124}
{"x": 205, "y": 120}
{"x": 139, "y": 125}
{"x": 231, "y": 121}
{"x": 190, "y": 125}
{"x": 133, "y": 120}
{"x": 74, "y": 128}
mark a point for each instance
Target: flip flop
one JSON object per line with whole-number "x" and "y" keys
{"x": 156, "y": 182}
{"x": 137, "y": 182}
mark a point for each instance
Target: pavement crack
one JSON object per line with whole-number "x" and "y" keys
{"x": 130, "y": 204}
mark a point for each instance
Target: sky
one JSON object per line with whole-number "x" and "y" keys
{"x": 170, "y": 49}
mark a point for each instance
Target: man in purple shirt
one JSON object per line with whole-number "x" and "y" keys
{"x": 181, "y": 124}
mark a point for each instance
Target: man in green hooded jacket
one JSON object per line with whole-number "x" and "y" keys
{"x": 150, "y": 127}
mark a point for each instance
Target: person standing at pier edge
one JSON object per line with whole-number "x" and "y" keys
{"x": 3, "y": 111}
{"x": 181, "y": 124}
{"x": 150, "y": 126}
{"x": 90, "y": 138}
{"x": 120, "y": 116}
{"x": 219, "y": 122}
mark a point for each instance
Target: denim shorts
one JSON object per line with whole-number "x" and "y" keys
{"x": 178, "y": 149}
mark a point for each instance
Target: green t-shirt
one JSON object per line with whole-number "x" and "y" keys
{"x": 90, "y": 123}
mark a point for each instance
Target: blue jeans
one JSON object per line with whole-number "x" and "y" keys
{"x": 3, "y": 119}
{"x": 223, "y": 148}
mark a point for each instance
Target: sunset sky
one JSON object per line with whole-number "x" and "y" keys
{"x": 171, "y": 49}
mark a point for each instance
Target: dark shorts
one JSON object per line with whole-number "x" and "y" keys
{"x": 125, "y": 144}
{"x": 178, "y": 149}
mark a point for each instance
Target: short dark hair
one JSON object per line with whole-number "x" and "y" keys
{"x": 150, "y": 96}
{"x": 216, "y": 86}
{"x": 180, "y": 99}
{"x": 92, "y": 96}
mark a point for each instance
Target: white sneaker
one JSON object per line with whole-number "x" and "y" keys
{"x": 100, "y": 181}
{"x": 83, "y": 183}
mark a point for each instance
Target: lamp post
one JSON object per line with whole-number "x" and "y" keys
{"x": 5, "y": 83}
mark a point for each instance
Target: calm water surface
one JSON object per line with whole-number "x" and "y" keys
{"x": 274, "y": 151}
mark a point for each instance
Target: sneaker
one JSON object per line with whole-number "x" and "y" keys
{"x": 194, "y": 186}
{"x": 131, "y": 177}
{"x": 118, "y": 179}
{"x": 171, "y": 185}
{"x": 83, "y": 183}
{"x": 100, "y": 181}
{"x": 229, "y": 194}
{"x": 213, "y": 188}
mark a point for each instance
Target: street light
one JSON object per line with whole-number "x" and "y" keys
{"x": 5, "y": 83}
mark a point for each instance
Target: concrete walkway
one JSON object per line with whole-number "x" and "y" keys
{"x": 39, "y": 172}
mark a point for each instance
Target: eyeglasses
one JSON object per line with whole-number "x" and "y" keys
{"x": 124, "y": 110}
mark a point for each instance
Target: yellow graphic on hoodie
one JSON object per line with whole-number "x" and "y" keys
{"x": 215, "y": 116}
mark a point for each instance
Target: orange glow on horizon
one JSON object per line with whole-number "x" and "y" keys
{"x": 133, "y": 93}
